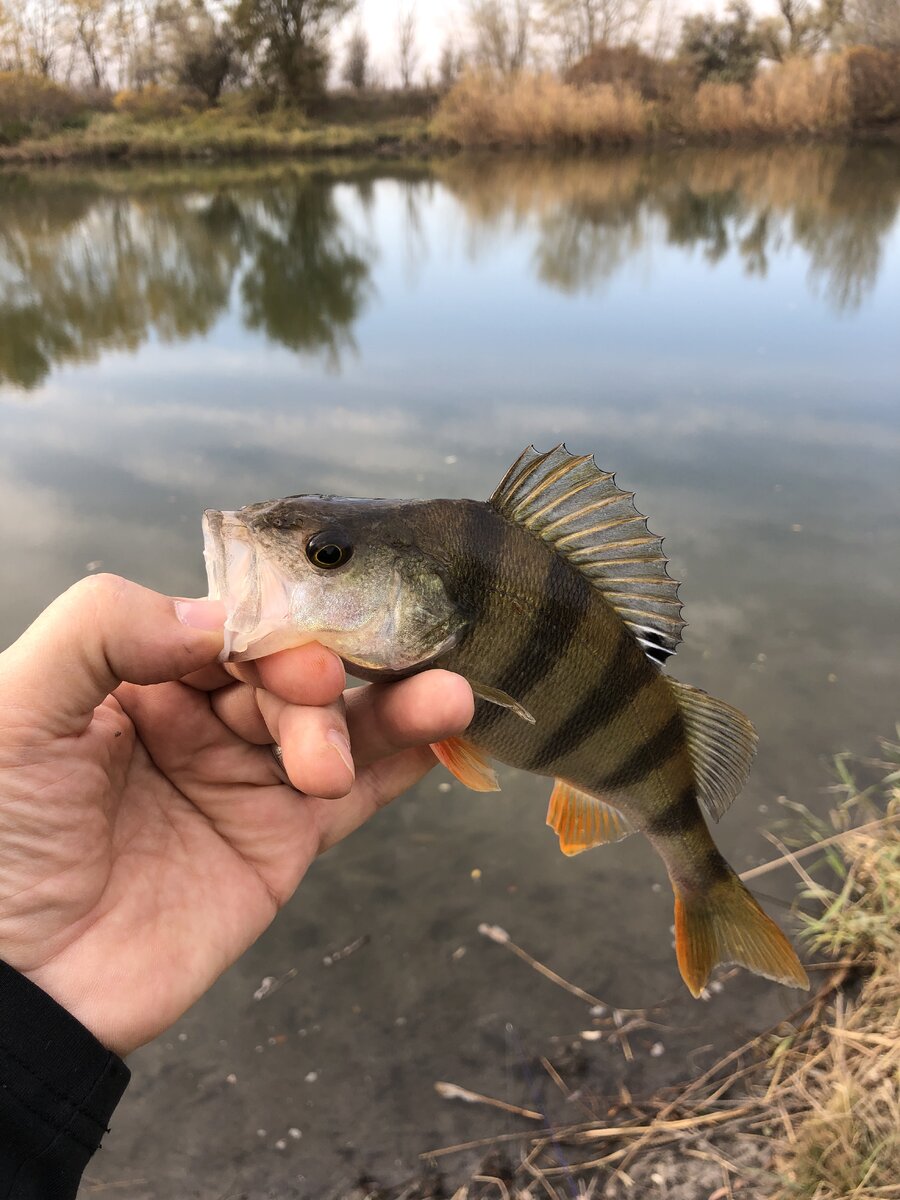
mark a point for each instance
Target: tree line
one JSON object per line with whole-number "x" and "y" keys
{"x": 291, "y": 49}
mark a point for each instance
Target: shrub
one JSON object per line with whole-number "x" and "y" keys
{"x": 800, "y": 96}
{"x": 873, "y": 84}
{"x": 534, "y": 110}
{"x": 154, "y": 103}
{"x": 629, "y": 66}
{"x": 31, "y": 104}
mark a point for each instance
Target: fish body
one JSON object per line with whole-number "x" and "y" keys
{"x": 553, "y": 600}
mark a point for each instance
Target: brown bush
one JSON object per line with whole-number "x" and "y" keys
{"x": 628, "y": 66}
{"x": 799, "y": 96}
{"x": 32, "y": 104}
{"x": 874, "y": 84}
{"x": 155, "y": 103}
{"x": 483, "y": 109}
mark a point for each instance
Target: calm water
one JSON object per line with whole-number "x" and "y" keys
{"x": 721, "y": 329}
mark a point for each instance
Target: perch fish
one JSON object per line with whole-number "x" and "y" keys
{"x": 553, "y": 600}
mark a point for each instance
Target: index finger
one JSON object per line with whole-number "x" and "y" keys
{"x": 307, "y": 675}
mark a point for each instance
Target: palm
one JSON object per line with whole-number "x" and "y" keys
{"x": 147, "y": 835}
{"x": 167, "y": 845}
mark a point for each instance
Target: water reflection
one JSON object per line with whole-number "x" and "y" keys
{"x": 85, "y": 269}
{"x": 103, "y": 262}
{"x": 835, "y": 203}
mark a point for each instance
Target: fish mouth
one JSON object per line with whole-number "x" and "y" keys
{"x": 256, "y": 595}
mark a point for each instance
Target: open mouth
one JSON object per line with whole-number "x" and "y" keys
{"x": 232, "y": 577}
{"x": 255, "y": 593}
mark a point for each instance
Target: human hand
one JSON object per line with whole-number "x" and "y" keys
{"x": 147, "y": 837}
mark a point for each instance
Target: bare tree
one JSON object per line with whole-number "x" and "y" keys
{"x": 501, "y": 31}
{"x": 43, "y": 35}
{"x": 802, "y": 27}
{"x": 89, "y": 27}
{"x": 407, "y": 50}
{"x": 579, "y": 25}
{"x": 356, "y": 63}
{"x": 450, "y": 64}
{"x": 10, "y": 40}
{"x": 874, "y": 22}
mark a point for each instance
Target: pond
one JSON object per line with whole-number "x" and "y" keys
{"x": 720, "y": 328}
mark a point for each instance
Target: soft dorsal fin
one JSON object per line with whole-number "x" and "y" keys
{"x": 721, "y": 743}
{"x": 577, "y": 508}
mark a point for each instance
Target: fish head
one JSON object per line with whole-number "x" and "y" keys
{"x": 348, "y": 574}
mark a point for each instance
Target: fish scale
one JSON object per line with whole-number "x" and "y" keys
{"x": 553, "y": 600}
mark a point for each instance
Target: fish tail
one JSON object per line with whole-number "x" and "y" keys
{"x": 723, "y": 923}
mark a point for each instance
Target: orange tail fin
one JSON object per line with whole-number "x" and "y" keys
{"x": 725, "y": 924}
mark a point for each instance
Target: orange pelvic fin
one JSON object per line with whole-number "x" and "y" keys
{"x": 581, "y": 820}
{"x": 725, "y": 924}
{"x": 468, "y": 764}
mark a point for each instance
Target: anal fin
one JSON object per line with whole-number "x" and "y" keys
{"x": 468, "y": 764}
{"x": 581, "y": 820}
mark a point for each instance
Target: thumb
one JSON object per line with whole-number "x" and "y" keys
{"x": 102, "y": 631}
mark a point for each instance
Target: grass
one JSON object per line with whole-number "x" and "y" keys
{"x": 221, "y": 133}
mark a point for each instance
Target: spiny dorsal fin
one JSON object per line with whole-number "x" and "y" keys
{"x": 577, "y": 508}
{"x": 581, "y": 820}
{"x": 721, "y": 742}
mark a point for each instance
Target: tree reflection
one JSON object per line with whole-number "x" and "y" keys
{"x": 836, "y": 203}
{"x": 90, "y": 264}
{"x": 89, "y": 269}
{"x": 309, "y": 277}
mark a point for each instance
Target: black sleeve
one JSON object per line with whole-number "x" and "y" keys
{"x": 58, "y": 1088}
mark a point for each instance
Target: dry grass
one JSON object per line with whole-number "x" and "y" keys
{"x": 802, "y": 97}
{"x": 484, "y": 109}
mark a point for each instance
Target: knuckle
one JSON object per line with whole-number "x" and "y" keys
{"x": 99, "y": 589}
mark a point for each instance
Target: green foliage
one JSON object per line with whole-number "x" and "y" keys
{"x": 726, "y": 50}
{"x": 285, "y": 41}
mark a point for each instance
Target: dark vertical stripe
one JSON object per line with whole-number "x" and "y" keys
{"x": 647, "y": 758}
{"x": 606, "y": 699}
{"x": 550, "y": 631}
{"x": 474, "y": 563}
{"x": 679, "y": 816}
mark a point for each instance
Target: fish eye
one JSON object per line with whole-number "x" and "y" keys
{"x": 329, "y": 549}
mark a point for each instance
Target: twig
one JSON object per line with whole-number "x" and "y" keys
{"x": 452, "y": 1091}
{"x": 764, "y": 868}
{"x": 504, "y": 1190}
{"x": 502, "y": 938}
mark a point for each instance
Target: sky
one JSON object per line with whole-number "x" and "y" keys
{"x": 438, "y": 19}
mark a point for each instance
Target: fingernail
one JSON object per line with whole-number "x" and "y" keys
{"x": 338, "y": 742}
{"x": 201, "y": 614}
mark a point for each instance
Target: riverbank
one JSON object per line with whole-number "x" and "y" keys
{"x": 219, "y": 134}
{"x": 852, "y": 96}
{"x": 207, "y": 137}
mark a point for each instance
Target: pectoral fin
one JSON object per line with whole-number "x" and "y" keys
{"x": 468, "y": 764}
{"x": 581, "y": 820}
{"x": 495, "y": 696}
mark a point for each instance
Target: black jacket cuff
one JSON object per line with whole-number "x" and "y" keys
{"x": 58, "y": 1088}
